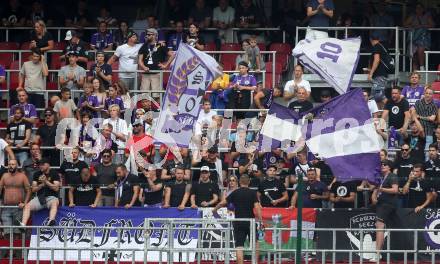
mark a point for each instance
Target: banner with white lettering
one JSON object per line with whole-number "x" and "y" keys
{"x": 334, "y": 60}
{"x": 105, "y": 242}
{"x": 191, "y": 75}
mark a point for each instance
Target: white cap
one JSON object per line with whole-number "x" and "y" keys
{"x": 68, "y": 35}
{"x": 204, "y": 168}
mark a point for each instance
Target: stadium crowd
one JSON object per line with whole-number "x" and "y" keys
{"x": 97, "y": 168}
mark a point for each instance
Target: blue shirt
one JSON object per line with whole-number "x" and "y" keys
{"x": 317, "y": 188}
{"x": 174, "y": 41}
{"x": 320, "y": 19}
{"x": 101, "y": 41}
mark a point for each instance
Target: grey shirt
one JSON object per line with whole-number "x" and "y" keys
{"x": 79, "y": 73}
{"x": 33, "y": 76}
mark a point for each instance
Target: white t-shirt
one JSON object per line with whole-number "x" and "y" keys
{"x": 3, "y": 145}
{"x": 289, "y": 87}
{"x": 128, "y": 59}
{"x": 225, "y": 17}
{"x": 372, "y": 106}
{"x": 203, "y": 118}
{"x": 119, "y": 126}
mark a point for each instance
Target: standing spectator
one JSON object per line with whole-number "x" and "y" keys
{"x": 177, "y": 37}
{"x": 70, "y": 171}
{"x": 85, "y": 190}
{"x": 204, "y": 193}
{"x": 30, "y": 166}
{"x": 342, "y": 194}
{"x": 418, "y": 189}
{"x": 18, "y": 134}
{"x": 46, "y": 185}
{"x": 200, "y": 14}
{"x": 319, "y": 13}
{"x": 100, "y": 93}
{"x": 114, "y": 99}
{"x": 385, "y": 198}
{"x": 127, "y": 55}
{"x": 75, "y": 44}
{"x": 145, "y": 147}
{"x": 72, "y": 75}
{"x": 414, "y": 91}
{"x": 16, "y": 193}
{"x": 105, "y": 16}
{"x": 65, "y": 108}
{"x": 402, "y": 168}
{"x": 382, "y": 19}
{"x": 29, "y": 110}
{"x": 420, "y": 22}
{"x": 205, "y": 117}
{"x": 232, "y": 186}
{"x": 378, "y": 71}
{"x": 45, "y": 136}
{"x": 252, "y": 55}
{"x": 314, "y": 192}
{"x": 272, "y": 192}
{"x": 153, "y": 23}
{"x": 41, "y": 38}
{"x": 247, "y": 16}
{"x": 79, "y": 16}
{"x": 120, "y": 36}
{"x": 152, "y": 57}
{"x": 32, "y": 78}
{"x": 168, "y": 173}
{"x": 372, "y": 105}
{"x": 177, "y": 193}
{"x": 301, "y": 105}
{"x": 223, "y": 18}
{"x": 216, "y": 166}
{"x": 127, "y": 188}
{"x": 101, "y": 70}
{"x": 151, "y": 188}
{"x": 103, "y": 39}
{"x": 120, "y": 130}
{"x": 193, "y": 37}
{"x": 243, "y": 84}
{"x": 88, "y": 102}
{"x": 425, "y": 116}
{"x": 432, "y": 166}
{"x": 291, "y": 87}
{"x": 396, "y": 112}
{"x": 105, "y": 172}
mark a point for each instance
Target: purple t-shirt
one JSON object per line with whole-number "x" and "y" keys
{"x": 29, "y": 110}
{"x": 101, "y": 41}
{"x": 117, "y": 101}
{"x": 2, "y": 71}
{"x": 93, "y": 101}
{"x": 412, "y": 95}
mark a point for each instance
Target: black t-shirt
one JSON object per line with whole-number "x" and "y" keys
{"x": 204, "y": 191}
{"x": 125, "y": 190}
{"x": 106, "y": 175}
{"x": 170, "y": 166}
{"x": 396, "y": 112}
{"x": 153, "y": 55}
{"x": 84, "y": 193}
{"x": 51, "y": 177}
{"x": 404, "y": 167}
{"x": 150, "y": 196}
{"x": 212, "y": 171}
{"x": 381, "y": 69}
{"x": 417, "y": 192}
{"x": 42, "y": 42}
{"x": 274, "y": 188}
{"x": 257, "y": 164}
{"x": 177, "y": 192}
{"x": 47, "y": 134}
{"x": 71, "y": 171}
{"x": 301, "y": 107}
{"x": 388, "y": 198}
{"x": 343, "y": 189}
{"x": 105, "y": 69}
{"x": 432, "y": 170}
{"x": 80, "y": 48}
{"x": 17, "y": 131}
{"x": 243, "y": 200}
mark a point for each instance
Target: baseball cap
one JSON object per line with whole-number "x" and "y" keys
{"x": 49, "y": 111}
{"x": 70, "y": 34}
{"x": 138, "y": 122}
{"x": 204, "y": 168}
{"x": 72, "y": 53}
{"x": 43, "y": 160}
{"x": 325, "y": 93}
{"x": 131, "y": 34}
{"x": 151, "y": 30}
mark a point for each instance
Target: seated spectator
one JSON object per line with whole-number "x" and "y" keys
{"x": 177, "y": 37}
{"x": 418, "y": 189}
{"x": 193, "y": 37}
{"x": 100, "y": 93}
{"x": 301, "y": 105}
{"x": 204, "y": 193}
{"x": 75, "y": 44}
{"x": 45, "y": 185}
{"x": 201, "y": 14}
{"x": 70, "y": 169}
{"x": 88, "y": 102}
{"x": 314, "y": 192}
{"x": 127, "y": 188}
{"x": 120, "y": 130}
{"x": 424, "y": 114}
{"x": 319, "y": 13}
{"x": 264, "y": 98}
{"x": 272, "y": 192}
{"x": 72, "y": 76}
{"x": 382, "y": 19}
{"x": 414, "y": 91}
{"x": 65, "y": 108}
{"x": 396, "y": 112}
{"x": 101, "y": 70}
{"x": 291, "y": 87}
{"x": 247, "y": 16}
{"x": 30, "y": 166}
{"x": 32, "y": 78}
{"x": 372, "y": 105}
{"x": 29, "y": 110}
{"x": 342, "y": 194}
{"x": 243, "y": 85}
{"x": 151, "y": 188}
{"x": 223, "y": 19}
{"x": 103, "y": 39}
{"x": 105, "y": 16}
{"x": 85, "y": 190}
{"x": 177, "y": 192}
{"x": 18, "y": 134}
{"x": 120, "y": 36}
{"x": 45, "y": 136}
{"x": 105, "y": 173}
{"x": 123, "y": 93}
{"x": 41, "y": 38}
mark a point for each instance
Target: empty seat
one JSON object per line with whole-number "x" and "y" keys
{"x": 281, "y": 47}
{"x": 6, "y": 59}
{"x": 230, "y": 46}
{"x": 9, "y": 46}
{"x": 210, "y": 46}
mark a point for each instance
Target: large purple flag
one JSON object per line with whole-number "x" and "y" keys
{"x": 343, "y": 134}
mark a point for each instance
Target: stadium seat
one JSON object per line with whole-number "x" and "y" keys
{"x": 6, "y": 59}
{"x": 25, "y": 45}
{"x": 59, "y": 45}
{"x": 228, "y": 58}
{"x": 278, "y": 67}
{"x": 9, "y": 46}
{"x": 14, "y": 75}
{"x": 229, "y": 66}
{"x": 210, "y": 46}
{"x": 115, "y": 75}
{"x": 436, "y": 88}
{"x": 268, "y": 81}
{"x": 230, "y": 47}
{"x": 52, "y": 86}
{"x": 55, "y": 62}
{"x": 281, "y": 48}
{"x": 261, "y": 46}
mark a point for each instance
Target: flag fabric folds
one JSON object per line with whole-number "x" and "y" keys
{"x": 334, "y": 60}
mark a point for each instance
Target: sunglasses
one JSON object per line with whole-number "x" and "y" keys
{"x": 46, "y": 115}
{"x": 404, "y": 149}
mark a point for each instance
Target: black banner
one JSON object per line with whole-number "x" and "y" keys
{"x": 366, "y": 220}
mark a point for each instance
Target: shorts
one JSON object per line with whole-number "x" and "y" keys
{"x": 241, "y": 232}
{"x": 385, "y": 213}
{"x": 36, "y": 205}
{"x": 11, "y": 217}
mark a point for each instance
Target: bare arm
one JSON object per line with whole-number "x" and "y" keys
{"x": 374, "y": 65}
{"x": 257, "y": 100}
{"x": 8, "y": 150}
{"x": 167, "y": 196}
{"x": 112, "y": 59}
{"x": 71, "y": 203}
{"x": 49, "y": 46}
{"x": 293, "y": 200}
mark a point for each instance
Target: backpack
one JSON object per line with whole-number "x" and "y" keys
{"x": 387, "y": 61}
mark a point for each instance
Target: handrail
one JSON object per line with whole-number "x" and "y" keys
{"x": 427, "y": 52}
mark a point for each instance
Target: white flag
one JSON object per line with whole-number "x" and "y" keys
{"x": 334, "y": 60}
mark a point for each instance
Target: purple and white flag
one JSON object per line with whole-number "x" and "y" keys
{"x": 334, "y": 60}
{"x": 280, "y": 128}
{"x": 343, "y": 134}
{"x": 191, "y": 74}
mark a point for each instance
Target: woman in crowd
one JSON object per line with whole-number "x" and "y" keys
{"x": 120, "y": 36}
{"x": 101, "y": 95}
{"x": 123, "y": 92}
{"x": 41, "y": 38}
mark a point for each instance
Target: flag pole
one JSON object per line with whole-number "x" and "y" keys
{"x": 299, "y": 220}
